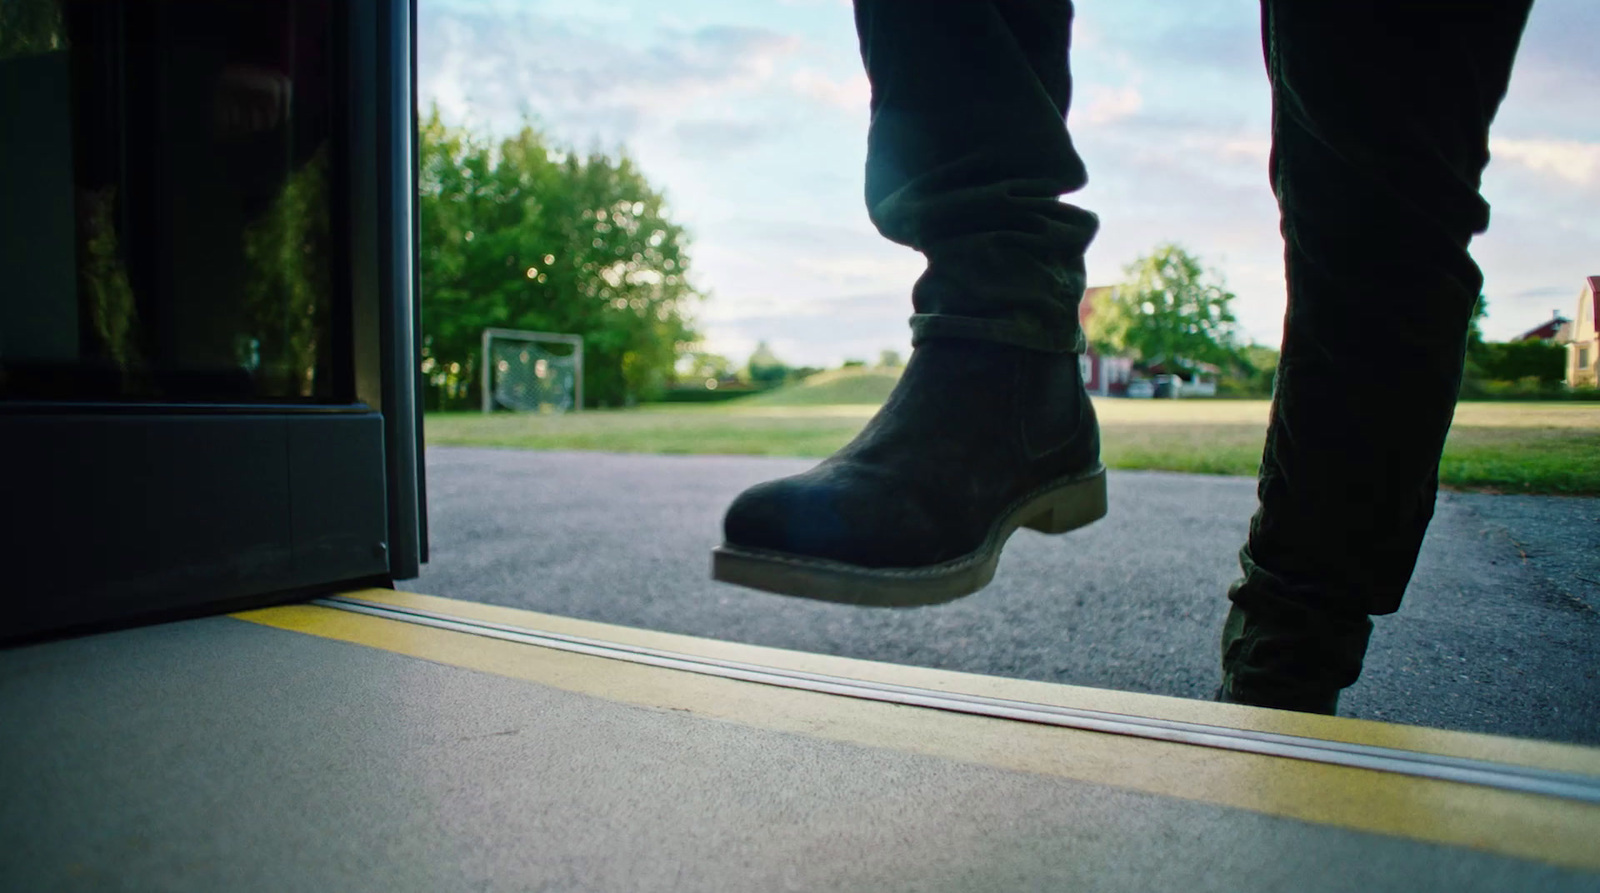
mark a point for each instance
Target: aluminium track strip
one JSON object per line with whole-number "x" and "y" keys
{"x": 1487, "y": 773}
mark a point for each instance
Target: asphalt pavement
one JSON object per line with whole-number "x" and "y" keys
{"x": 1500, "y": 631}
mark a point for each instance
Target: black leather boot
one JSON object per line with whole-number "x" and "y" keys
{"x": 976, "y": 440}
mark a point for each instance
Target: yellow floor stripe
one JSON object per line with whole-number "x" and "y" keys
{"x": 1517, "y": 751}
{"x": 1521, "y": 825}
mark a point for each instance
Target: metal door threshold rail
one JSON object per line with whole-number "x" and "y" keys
{"x": 1523, "y": 779}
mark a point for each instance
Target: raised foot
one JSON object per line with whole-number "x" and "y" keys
{"x": 1066, "y": 506}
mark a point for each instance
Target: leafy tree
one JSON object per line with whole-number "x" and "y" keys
{"x": 524, "y": 235}
{"x": 287, "y": 253}
{"x": 698, "y": 366}
{"x": 764, "y": 367}
{"x": 1477, "y": 350}
{"x": 1103, "y": 328}
{"x": 1168, "y": 308}
{"x": 1475, "y": 328}
{"x": 1254, "y": 374}
{"x": 889, "y": 359}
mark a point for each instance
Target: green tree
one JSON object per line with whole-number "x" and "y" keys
{"x": 1254, "y": 374}
{"x": 287, "y": 252}
{"x": 1103, "y": 328}
{"x": 764, "y": 367}
{"x": 525, "y": 235}
{"x": 1169, "y": 308}
{"x": 698, "y": 366}
{"x": 1477, "y": 348}
{"x": 1475, "y": 328}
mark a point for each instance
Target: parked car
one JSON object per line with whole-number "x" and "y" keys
{"x": 1142, "y": 388}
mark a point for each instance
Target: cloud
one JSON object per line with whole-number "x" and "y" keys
{"x": 1574, "y": 162}
{"x": 498, "y": 66}
{"x": 765, "y": 267}
{"x": 1543, "y": 291}
{"x": 851, "y": 94}
{"x": 854, "y": 326}
{"x": 1256, "y": 150}
{"x": 719, "y": 137}
{"x": 1531, "y": 265}
{"x": 863, "y": 269}
{"x": 1204, "y": 38}
{"x": 1106, "y": 105}
{"x": 1557, "y": 73}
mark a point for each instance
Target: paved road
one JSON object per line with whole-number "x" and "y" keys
{"x": 1500, "y": 632}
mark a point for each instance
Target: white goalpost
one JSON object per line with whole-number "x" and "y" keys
{"x": 532, "y": 371}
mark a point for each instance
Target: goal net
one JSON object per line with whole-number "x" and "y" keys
{"x": 532, "y": 371}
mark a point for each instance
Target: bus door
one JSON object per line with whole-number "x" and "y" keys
{"x": 207, "y": 306}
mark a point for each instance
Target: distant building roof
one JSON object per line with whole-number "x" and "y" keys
{"x": 1550, "y": 331}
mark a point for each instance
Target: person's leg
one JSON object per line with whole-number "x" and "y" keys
{"x": 967, "y": 157}
{"x": 1381, "y": 115}
{"x": 989, "y": 427}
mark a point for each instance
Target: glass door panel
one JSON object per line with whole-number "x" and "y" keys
{"x": 206, "y": 349}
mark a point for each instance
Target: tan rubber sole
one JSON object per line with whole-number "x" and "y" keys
{"x": 1061, "y": 506}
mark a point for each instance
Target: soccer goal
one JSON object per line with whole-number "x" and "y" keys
{"x": 532, "y": 371}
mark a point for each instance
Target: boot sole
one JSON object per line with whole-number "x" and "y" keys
{"x": 1060, "y": 506}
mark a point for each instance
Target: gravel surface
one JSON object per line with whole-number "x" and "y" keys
{"x": 1500, "y": 631}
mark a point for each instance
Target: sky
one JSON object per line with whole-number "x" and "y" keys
{"x": 751, "y": 117}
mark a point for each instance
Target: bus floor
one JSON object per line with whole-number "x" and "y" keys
{"x": 316, "y": 747}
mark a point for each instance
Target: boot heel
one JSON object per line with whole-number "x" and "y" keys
{"x": 1075, "y": 505}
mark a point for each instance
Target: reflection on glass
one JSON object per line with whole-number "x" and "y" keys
{"x": 168, "y": 229}
{"x": 286, "y": 251}
{"x": 30, "y": 27}
{"x": 113, "y": 316}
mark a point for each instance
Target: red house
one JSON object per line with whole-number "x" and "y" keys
{"x": 1103, "y": 376}
{"x": 1557, "y": 331}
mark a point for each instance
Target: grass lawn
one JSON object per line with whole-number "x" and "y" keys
{"x": 1501, "y": 447}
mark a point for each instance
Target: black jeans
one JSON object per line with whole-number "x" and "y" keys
{"x": 1381, "y": 112}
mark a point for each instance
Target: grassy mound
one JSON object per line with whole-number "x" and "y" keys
{"x": 840, "y": 386}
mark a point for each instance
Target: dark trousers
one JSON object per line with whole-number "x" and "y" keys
{"x": 1381, "y": 112}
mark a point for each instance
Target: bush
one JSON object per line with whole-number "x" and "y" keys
{"x": 1516, "y": 361}
{"x": 1240, "y": 385}
{"x": 1254, "y": 374}
{"x": 1529, "y": 387}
